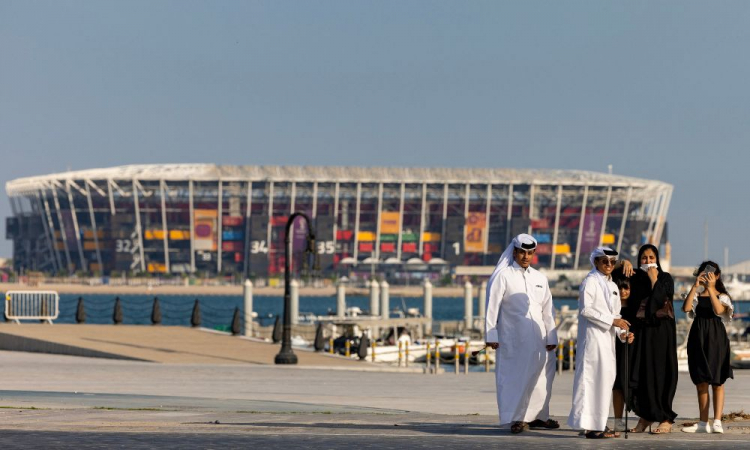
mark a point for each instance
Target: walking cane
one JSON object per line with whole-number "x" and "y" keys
{"x": 626, "y": 391}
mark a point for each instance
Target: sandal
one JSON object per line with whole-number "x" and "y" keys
{"x": 600, "y": 435}
{"x": 663, "y": 428}
{"x": 641, "y": 426}
{"x": 548, "y": 424}
{"x": 518, "y": 427}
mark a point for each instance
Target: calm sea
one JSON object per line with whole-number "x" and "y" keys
{"x": 217, "y": 311}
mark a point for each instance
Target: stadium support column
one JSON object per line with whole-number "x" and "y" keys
{"x": 377, "y": 224}
{"x": 355, "y": 251}
{"x": 220, "y": 209}
{"x": 76, "y": 228}
{"x": 94, "y": 227}
{"x": 315, "y": 201}
{"x": 248, "y": 211}
{"x": 335, "y": 214}
{"x": 487, "y": 211}
{"x": 509, "y": 215}
{"x": 163, "y": 192}
{"x": 422, "y": 220}
{"x": 532, "y": 213}
{"x": 624, "y": 218}
{"x": 467, "y": 199}
{"x": 557, "y": 226}
{"x": 191, "y": 209}
{"x": 138, "y": 229}
{"x": 270, "y": 217}
{"x": 62, "y": 227}
{"x": 580, "y": 225}
{"x": 606, "y": 213}
{"x": 445, "y": 219}
{"x": 663, "y": 215}
{"x": 400, "y": 221}
{"x": 293, "y": 198}
{"x": 49, "y": 228}
{"x": 112, "y": 209}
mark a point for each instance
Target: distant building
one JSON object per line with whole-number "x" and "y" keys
{"x": 168, "y": 218}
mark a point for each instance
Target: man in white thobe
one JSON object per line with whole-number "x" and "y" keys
{"x": 520, "y": 324}
{"x": 599, "y": 322}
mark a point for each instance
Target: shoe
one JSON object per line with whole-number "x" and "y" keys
{"x": 700, "y": 427}
{"x": 716, "y": 427}
{"x": 619, "y": 425}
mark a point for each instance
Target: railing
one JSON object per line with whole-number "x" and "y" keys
{"x": 32, "y": 305}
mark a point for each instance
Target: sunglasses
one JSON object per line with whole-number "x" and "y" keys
{"x": 608, "y": 261}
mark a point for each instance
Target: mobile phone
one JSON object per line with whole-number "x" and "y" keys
{"x": 710, "y": 269}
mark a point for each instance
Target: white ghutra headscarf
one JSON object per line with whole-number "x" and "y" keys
{"x": 598, "y": 252}
{"x": 524, "y": 241}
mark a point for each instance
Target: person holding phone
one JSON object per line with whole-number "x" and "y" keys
{"x": 710, "y": 306}
{"x": 653, "y": 375}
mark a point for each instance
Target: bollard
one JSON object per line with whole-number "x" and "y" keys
{"x": 560, "y": 346}
{"x": 427, "y": 356}
{"x": 487, "y": 359}
{"x": 374, "y": 346}
{"x": 247, "y": 296}
{"x": 456, "y": 357}
{"x": 330, "y": 345}
{"x": 571, "y": 356}
{"x": 400, "y": 354}
{"x": 80, "y": 311}
{"x": 236, "y": 325}
{"x": 468, "y": 306}
{"x": 428, "y": 306}
{"x": 406, "y": 356}
{"x": 364, "y": 344}
{"x": 278, "y": 331}
{"x": 385, "y": 301}
{"x": 347, "y": 348}
{"x": 466, "y": 359}
{"x": 320, "y": 342}
{"x": 294, "y": 303}
{"x": 156, "y": 312}
{"x": 437, "y": 357}
{"x": 195, "y": 317}
{"x": 374, "y": 298}
{"x": 340, "y": 299}
{"x": 117, "y": 314}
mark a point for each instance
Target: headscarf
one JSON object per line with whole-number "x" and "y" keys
{"x": 524, "y": 241}
{"x": 598, "y": 252}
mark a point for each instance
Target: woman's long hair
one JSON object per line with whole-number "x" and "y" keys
{"x": 719, "y": 284}
{"x": 656, "y": 252}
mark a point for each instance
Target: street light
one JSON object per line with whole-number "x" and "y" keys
{"x": 286, "y": 355}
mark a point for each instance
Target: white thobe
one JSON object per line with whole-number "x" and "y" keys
{"x": 596, "y": 366}
{"x": 520, "y": 319}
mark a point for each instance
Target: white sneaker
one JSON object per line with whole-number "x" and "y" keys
{"x": 700, "y": 427}
{"x": 619, "y": 425}
{"x": 717, "y": 428}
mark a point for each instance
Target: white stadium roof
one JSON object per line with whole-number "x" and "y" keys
{"x": 213, "y": 172}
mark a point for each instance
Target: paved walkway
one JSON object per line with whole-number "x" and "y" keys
{"x": 95, "y": 403}
{"x": 155, "y": 344}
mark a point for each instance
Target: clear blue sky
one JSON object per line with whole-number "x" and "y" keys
{"x": 657, "y": 89}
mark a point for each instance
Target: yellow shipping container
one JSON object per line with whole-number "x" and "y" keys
{"x": 562, "y": 248}
{"x": 151, "y": 235}
{"x": 428, "y": 236}
{"x": 365, "y": 236}
{"x": 156, "y": 268}
{"x": 608, "y": 239}
{"x": 60, "y": 245}
{"x": 89, "y": 245}
{"x": 89, "y": 234}
{"x": 179, "y": 235}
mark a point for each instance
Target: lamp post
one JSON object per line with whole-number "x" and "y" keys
{"x": 286, "y": 355}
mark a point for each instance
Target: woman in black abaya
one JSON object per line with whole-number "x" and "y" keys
{"x": 654, "y": 373}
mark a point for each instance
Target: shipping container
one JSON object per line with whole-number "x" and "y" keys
{"x": 366, "y": 247}
{"x": 365, "y": 236}
{"x": 388, "y": 247}
{"x": 232, "y": 221}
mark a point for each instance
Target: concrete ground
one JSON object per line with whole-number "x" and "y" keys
{"x": 53, "y": 401}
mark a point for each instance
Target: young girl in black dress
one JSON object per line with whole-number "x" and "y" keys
{"x": 708, "y": 303}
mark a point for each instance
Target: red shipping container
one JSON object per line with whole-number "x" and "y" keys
{"x": 232, "y": 221}
{"x": 409, "y": 247}
{"x": 238, "y": 257}
{"x": 388, "y": 247}
{"x": 279, "y": 221}
{"x": 430, "y": 248}
{"x": 344, "y": 235}
{"x": 232, "y": 246}
{"x": 544, "y": 249}
{"x": 366, "y": 247}
{"x": 426, "y": 257}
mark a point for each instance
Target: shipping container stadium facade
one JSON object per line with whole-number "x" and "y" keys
{"x": 213, "y": 219}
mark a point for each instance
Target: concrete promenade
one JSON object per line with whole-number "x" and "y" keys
{"x": 55, "y": 401}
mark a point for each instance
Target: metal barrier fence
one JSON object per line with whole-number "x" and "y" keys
{"x": 32, "y": 305}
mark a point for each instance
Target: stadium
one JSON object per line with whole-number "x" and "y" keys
{"x": 211, "y": 220}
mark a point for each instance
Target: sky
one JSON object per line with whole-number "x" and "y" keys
{"x": 659, "y": 90}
